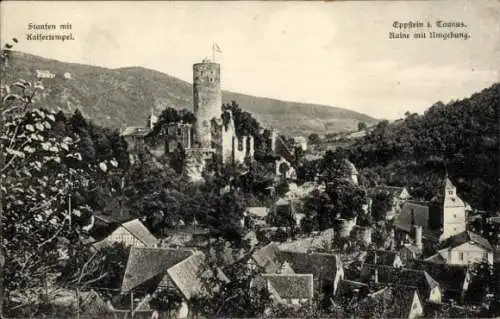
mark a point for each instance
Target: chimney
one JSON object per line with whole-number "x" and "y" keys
{"x": 375, "y": 276}
{"x": 418, "y": 236}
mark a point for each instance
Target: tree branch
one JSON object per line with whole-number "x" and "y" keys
{"x": 53, "y": 236}
{"x": 95, "y": 279}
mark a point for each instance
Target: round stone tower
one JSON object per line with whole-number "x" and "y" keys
{"x": 207, "y": 99}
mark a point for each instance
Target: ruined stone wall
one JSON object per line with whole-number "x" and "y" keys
{"x": 196, "y": 162}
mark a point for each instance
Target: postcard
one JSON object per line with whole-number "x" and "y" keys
{"x": 253, "y": 159}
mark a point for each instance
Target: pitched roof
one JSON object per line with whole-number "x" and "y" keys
{"x": 139, "y": 231}
{"x": 436, "y": 258}
{"x": 291, "y": 286}
{"x": 349, "y": 287}
{"x": 322, "y": 240}
{"x": 187, "y": 275}
{"x": 449, "y": 277}
{"x": 413, "y": 213}
{"x": 381, "y": 257}
{"x": 464, "y": 237}
{"x": 395, "y": 191}
{"x": 267, "y": 257}
{"x": 397, "y": 301}
{"x": 145, "y": 263}
{"x": 419, "y": 279}
{"x": 321, "y": 265}
{"x": 282, "y": 202}
{"x": 136, "y": 228}
{"x": 260, "y": 212}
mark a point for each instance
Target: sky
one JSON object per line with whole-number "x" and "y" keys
{"x": 332, "y": 53}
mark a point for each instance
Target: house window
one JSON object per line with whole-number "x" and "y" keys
{"x": 461, "y": 255}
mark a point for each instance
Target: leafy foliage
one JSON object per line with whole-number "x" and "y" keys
{"x": 459, "y": 137}
{"x": 382, "y": 203}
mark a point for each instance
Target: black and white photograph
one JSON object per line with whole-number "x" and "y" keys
{"x": 250, "y": 159}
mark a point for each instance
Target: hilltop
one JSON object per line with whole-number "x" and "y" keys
{"x": 124, "y": 97}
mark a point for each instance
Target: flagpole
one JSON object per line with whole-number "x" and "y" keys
{"x": 213, "y": 53}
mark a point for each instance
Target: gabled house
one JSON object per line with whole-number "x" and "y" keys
{"x": 466, "y": 248}
{"x": 265, "y": 258}
{"x": 327, "y": 269}
{"x": 383, "y": 257}
{"x": 454, "y": 280}
{"x": 427, "y": 286}
{"x": 409, "y": 252}
{"x": 350, "y": 289}
{"x": 135, "y": 137}
{"x": 291, "y": 289}
{"x": 392, "y": 302}
{"x": 176, "y": 271}
{"x": 130, "y": 233}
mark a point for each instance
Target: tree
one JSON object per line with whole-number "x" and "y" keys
{"x": 41, "y": 175}
{"x": 381, "y": 204}
{"x": 236, "y": 298}
{"x": 101, "y": 269}
{"x": 361, "y": 126}
{"x": 314, "y": 139}
{"x": 165, "y": 301}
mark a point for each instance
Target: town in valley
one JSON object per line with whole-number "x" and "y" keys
{"x": 202, "y": 209}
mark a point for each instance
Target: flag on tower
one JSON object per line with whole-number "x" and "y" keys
{"x": 217, "y": 48}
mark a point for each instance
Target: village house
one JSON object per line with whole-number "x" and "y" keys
{"x": 349, "y": 290}
{"x": 379, "y": 275}
{"x": 383, "y": 257}
{"x": 288, "y": 211}
{"x": 130, "y": 233}
{"x": 454, "y": 280}
{"x": 409, "y": 252}
{"x": 327, "y": 269}
{"x": 290, "y": 289}
{"x": 135, "y": 138}
{"x": 181, "y": 272}
{"x": 392, "y": 302}
{"x": 44, "y": 74}
{"x": 265, "y": 259}
{"x": 464, "y": 248}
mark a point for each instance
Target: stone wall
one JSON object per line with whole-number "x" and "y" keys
{"x": 207, "y": 99}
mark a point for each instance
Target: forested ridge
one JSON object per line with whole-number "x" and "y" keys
{"x": 460, "y": 138}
